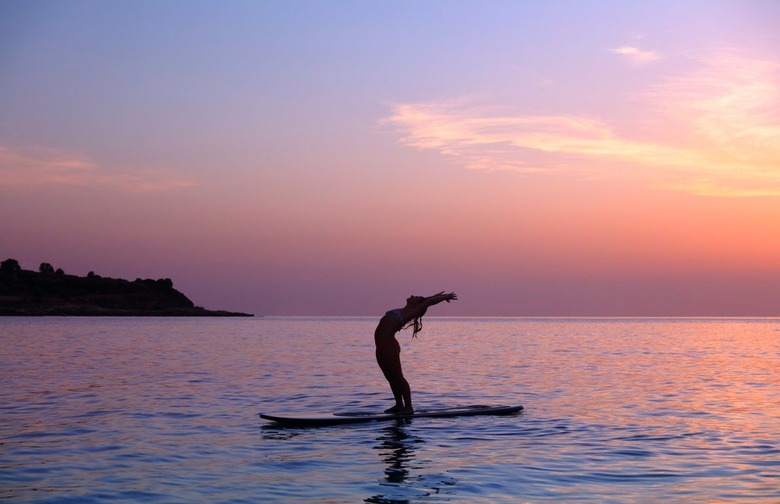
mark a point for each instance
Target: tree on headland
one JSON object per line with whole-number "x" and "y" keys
{"x": 46, "y": 269}
{"x": 10, "y": 266}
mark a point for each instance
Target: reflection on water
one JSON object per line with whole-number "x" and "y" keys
{"x": 407, "y": 476}
{"x": 628, "y": 410}
{"x": 396, "y": 448}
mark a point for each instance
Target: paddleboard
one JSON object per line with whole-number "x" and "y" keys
{"x": 349, "y": 417}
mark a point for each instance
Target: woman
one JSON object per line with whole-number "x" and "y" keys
{"x": 388, "y": 351}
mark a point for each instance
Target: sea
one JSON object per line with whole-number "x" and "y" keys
{"x": 166, "y": 410}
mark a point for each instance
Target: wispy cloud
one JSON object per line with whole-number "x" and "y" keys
{"x": 731, "y": 106}
{"x": 30, "y": 167}
{"x": 727, "y": 114}
{"x": 636, "y": 55}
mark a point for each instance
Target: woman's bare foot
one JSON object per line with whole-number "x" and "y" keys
{"x": 408, "y": 410}
{"x": 394, "y": 409}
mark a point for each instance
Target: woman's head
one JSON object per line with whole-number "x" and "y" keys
{"x": 414, "y": 300}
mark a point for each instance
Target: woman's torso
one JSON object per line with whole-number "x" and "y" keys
{"x": 390, "y": 323}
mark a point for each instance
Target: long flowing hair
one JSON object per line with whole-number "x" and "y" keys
{"x": 417, "y": 323}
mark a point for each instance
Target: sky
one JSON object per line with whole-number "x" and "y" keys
{"x": 562, "y": 158}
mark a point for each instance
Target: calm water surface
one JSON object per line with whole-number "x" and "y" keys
{"x": 165, "y": 410}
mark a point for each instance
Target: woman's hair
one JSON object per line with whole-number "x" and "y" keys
{"x": 417, "y": 323}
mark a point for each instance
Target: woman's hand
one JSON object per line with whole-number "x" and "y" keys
{"x": 441, "y": 296}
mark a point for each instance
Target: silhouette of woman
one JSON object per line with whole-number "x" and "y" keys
{"x": 388, "y": 351}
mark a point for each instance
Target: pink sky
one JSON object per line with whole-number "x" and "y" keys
{"x": 574, "y": 159}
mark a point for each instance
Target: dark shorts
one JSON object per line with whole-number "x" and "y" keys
{"x": 388, "y": 348}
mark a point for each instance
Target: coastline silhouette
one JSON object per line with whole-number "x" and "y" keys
{"x": 50, "y": 292}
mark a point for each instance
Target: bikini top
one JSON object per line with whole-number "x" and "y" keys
{"x": 396, "y": 314}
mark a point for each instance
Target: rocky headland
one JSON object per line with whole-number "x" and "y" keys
{"x": 50, "y": 292}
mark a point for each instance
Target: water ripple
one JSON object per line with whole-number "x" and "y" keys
{"x": 97, "y": 410}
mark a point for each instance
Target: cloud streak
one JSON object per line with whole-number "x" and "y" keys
{"x": 636, "y": 55}
{"x": 724, "y": 116}
{"x": 34, "y": 167}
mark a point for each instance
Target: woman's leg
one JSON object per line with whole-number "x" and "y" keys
{"x": 390, "y": 364}
{"x": 406, "y": 393}
{"x": 385, "y": 361}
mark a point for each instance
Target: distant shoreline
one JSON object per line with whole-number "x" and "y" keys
{"x": 52, "y": 293}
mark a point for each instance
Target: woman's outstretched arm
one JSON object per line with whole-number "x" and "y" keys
{"x": 420, "y": 309}
{"x": 438, "y": 298}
